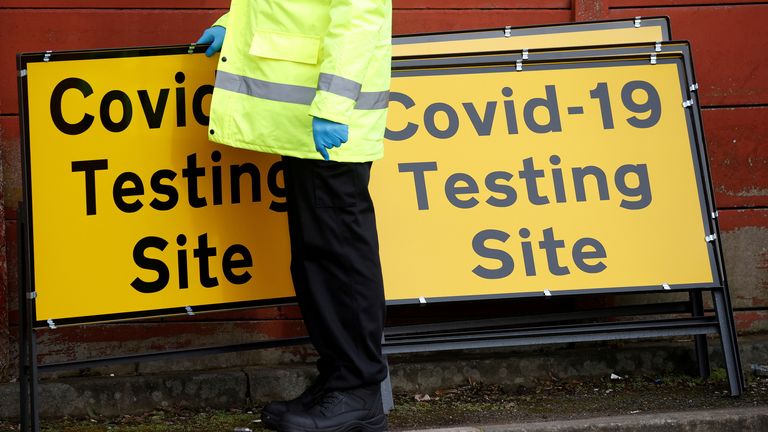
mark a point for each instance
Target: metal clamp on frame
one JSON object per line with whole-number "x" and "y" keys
{"x": 525, "y": 53}
{"x": 666, "y": 286}
{"x": 51, "y": 324}
{"x": 191, "y": 48}
{"x": 694, "y": 87}
{"x": 519, "y": 65}
{"x": 688, "y": 103}
{"x": 47, "y": 56}
{"x": 638, "y": 21}
{"x": 508, "y": 31}
{"x": 710, "y": 238}
{"x": 653, "y": 59}
{"x": 32, "y": 295}
{"x": 189, "y": 310}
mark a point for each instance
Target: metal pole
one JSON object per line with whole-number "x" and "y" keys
{"x": 24, "y": 401}
{"x": 700, "y": 341}
{"x": 730, "y": 346}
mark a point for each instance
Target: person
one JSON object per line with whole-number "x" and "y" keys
{"x": 309, "y": 80}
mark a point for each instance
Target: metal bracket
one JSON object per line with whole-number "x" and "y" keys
{"x": 508, "y": 31}
{"x": 422, "y": 300}
{"x": 191, "y": 48}
{"x": 519, "y": 65}
{"x": 190, "y": 312}
{"x": 32, "y": 295}
{"x": 22, "y": 73}
{"x": 711, "y": 238}
{"x": 638, "y": 21}
{"x": 547, "y": 293}
{"x": 658, "y": 46}
{"x": 687, "y": 103}
{"x": 653, "y": 59}
{"x": 694, "y": 87}
{"x": 666, "y": 286}
{"x": 525, "y": 53}
{"x": 51, "y": 324}
{"x": 47, "y": 56}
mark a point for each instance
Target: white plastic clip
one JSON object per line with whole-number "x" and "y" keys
{"x": 653, "y": 58}
{"x": 422, "y": 300}
{"x": 715, "y": 214}
{"x": 525, "y": 54}
{"x": 191, "y": 48}
{"x": 711, "y": 238}
{"x": 687, "y": 103}
{"x": 22, "y": 73}
{"x": 190, "y": 312}
{"x": 508, "y": 31}
{"x": 694, "y": 87}
{"x": 638, "y": 21}
{"x": 32, "y": 295}
{"x": 519, "y": 65}
{"x": 47, "y": 56}
{"x": 666, "y": 286}
{"x": 547, "y": 293}
{"x": 658, "y": 46}
{"x": 51, "y": 324}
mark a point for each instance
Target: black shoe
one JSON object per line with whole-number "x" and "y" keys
{"x": 341, "y": 411}
{"x": 273, "y": 413}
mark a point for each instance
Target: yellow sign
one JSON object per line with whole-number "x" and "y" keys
{"x": 516, "y": 38}
{"x": 132, "y": 208}
{"x": 563, "y": 177}
{"x": 559, "y": 177}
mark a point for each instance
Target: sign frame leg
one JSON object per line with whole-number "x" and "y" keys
{"x": 729, "y": 342}
{"x": 700, "y": 341}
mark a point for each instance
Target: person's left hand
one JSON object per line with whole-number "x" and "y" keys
{"x": 328, "y": 134}
{"x": 214, "y": 36}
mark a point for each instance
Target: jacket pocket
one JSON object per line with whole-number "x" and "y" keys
{"x": 286, "y": 46}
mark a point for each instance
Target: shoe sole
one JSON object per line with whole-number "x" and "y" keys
{"x": 376, "y": 424}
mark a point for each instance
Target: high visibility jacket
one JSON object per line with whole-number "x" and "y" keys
{"x": 285, "y": 61}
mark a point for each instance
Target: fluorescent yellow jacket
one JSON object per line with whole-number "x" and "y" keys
{"x": 284, "y": 61}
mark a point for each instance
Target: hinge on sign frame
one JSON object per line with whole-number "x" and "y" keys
{"x": 508, "y": 31}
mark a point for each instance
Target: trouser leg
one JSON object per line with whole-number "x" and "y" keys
{"x": 336, "y": 268}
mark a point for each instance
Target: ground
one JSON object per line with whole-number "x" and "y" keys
{"x": 475, "y": 404}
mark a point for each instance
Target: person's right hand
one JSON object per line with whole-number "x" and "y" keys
{"x": 214, "y": 36}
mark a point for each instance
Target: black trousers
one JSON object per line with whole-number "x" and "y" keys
{"x": 336, "y": 268}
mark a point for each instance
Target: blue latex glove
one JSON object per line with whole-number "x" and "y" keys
{"x": 328, "y": 134}
{"x": 215, "y": 37}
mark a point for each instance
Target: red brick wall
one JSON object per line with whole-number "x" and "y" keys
{"x": 729, "y": 41}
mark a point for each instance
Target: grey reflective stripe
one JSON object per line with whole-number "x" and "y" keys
{"x": 265, "y": 89}
{"x": 339, "y": 86}
{"x": 372, "y": 100}
{"x": 290, "y": 93}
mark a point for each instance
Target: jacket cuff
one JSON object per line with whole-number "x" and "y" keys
{"x": 332, "y": 107}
